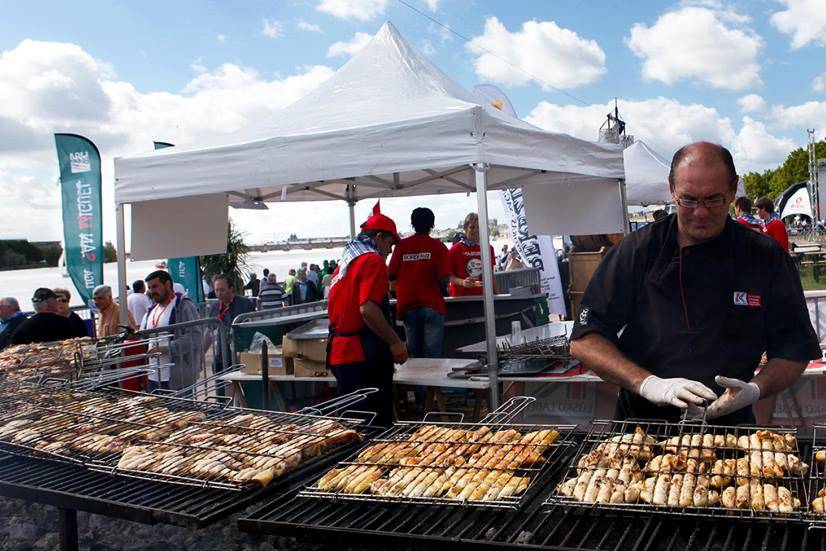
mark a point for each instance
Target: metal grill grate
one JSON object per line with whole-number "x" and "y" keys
{"x": 491, "y": 464}
{"x": 816, "y": 505}
{"x": 171, "y": 439}
{"x": 687, "y": 469}
{"x": 534, "y": 525}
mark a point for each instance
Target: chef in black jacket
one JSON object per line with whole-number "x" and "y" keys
{"x": 698, "y": 298}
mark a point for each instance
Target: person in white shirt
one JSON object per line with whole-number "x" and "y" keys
{"x": 138, "y": 302}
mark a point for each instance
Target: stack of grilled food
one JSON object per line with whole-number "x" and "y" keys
{"x": 819, "y": 502}
{"x": 25, "y": 361}
{"x": 480, "y": 464}
{"x": 143, "y": 434}
{"x": 750, "y": 471}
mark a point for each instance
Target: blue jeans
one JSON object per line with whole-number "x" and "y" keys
{"x": 425, "y": 331}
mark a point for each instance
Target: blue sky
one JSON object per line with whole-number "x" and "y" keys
{"x": 751, "y": 75}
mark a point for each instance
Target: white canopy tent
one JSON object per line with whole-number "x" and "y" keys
{"x": 387, "y": 124}
{"x": 646, "y": 175}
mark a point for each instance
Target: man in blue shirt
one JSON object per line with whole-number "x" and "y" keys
{"x": 10, "y": 319}
{"x": 229, "y": 306}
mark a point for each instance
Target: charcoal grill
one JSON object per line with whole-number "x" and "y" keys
{"x": 535, "y": 525}
{"x": 422, "y": 471}
{"x": 73, "y": 483}
{"x": 817, "y": 475}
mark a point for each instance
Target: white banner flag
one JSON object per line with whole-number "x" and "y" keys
{"x": 536, "y": 250}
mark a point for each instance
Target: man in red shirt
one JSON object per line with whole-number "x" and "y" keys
{"x": 773, "y": 226}
{"x": 420, "y": 267}
{"x": 742, "y": 208}
{"x": 363, "y": 345}
{"x": 465, "y": 259}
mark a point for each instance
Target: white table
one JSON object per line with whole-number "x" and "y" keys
{"x": 427, "y": 372}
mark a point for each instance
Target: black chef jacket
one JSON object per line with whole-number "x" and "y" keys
{"x": 703, "y": 310}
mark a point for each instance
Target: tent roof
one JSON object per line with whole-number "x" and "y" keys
{"x": 387, "y": 124}
{"x": 646, "y": 175}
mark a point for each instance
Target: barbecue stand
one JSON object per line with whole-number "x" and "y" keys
{"x": 535, "y": 525}
{"x": 73, "y": 484}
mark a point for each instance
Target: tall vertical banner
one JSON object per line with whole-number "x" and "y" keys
{"x": 80, "y": 183}
{"x": 536, "y": 250}
{"x": 187, "y": 270}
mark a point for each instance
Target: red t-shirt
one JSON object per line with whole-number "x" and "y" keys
{"x": 417, "y": 264}
{"x": 366, "y": 280}
{"x": 466, "y": 262}
{"x": 776, "y": 229}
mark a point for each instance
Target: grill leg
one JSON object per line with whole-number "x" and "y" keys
{"x": 68, "y": 530}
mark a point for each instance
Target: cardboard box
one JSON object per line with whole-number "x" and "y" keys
{"x": 304, "y": 367}
{"x": 279, "y": 365}
{"x": 310, "y": 349}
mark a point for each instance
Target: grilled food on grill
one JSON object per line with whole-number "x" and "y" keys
{"x": 637, "y": 444}
{"x": 444, "y": 462}
{"x": 688, "y": 472}
{"x": 819, "y": 503}
{"x": 820, "y": 456}
{"x": 140, "y": 433}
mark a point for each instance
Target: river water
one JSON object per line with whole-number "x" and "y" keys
{"x": 21, "y": 284}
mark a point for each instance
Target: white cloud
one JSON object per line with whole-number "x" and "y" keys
{"x": 221, "y": 38}
{"x": 803, "y": 20}
{"x": 363, "y": 10}
{"x": 432, "y": 5}
{"x": 811, "y": 114}
{"x": 694, "y": 43}
{"x": 754, "y": 147}
{"x": 819, "y": 83}
{"x": 197, "y": 65}
{"x": 272, "y": 28}
{"x": 542, "y": 51}
{"x": 48, "y": 87}
{"x": 305, "y": 26}
{"x": 427, "y": 47}
{"x": 349, "y": 47}
{"x": 663, "y": 123}
{"x": 751, "y": 103}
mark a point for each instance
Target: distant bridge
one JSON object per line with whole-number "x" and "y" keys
{"x": 302, "y": 244}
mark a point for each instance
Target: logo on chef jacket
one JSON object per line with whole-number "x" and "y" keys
{"x": 584, "y": 313}
{"x": 746, "y": 299}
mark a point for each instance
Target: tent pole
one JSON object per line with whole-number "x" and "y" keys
{"x": 121, "y": 237}
{"x": 481, "y": 170}
{"x": 624, "y": 198}
{"x": 351, "y": 205}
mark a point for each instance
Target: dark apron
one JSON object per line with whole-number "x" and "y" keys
{"x": 375, "y": 371}
{"x": 724, "y": 341}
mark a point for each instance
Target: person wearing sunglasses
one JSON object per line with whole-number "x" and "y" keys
{"x": 679, "y": 313}
{"x": 64, "y": 298}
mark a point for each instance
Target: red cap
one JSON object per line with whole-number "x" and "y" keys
{"x": 380, "y": 222}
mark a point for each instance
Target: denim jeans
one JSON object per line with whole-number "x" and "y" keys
{"x": 424, "y": 329}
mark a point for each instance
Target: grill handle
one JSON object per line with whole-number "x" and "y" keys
{"x": 339, "y": 402}
{"x": 223, "y": 401}
{"x": 45, "y": 381}
{"x": 368, "y": 416}
{"x": 510, "y": 409}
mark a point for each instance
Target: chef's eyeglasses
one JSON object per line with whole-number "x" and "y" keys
{"x": 708, "y": 202}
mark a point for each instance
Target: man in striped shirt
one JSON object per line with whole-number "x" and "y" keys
{"x": 271, "y": 296}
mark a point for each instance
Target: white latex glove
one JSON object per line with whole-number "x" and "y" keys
{"x": 678, "y": 392}
{"x": 738, "y": 395}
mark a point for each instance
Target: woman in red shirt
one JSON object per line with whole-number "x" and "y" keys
{"x": 465, "y": 259}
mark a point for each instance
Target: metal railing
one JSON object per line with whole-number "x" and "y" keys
{"x": 186, "y": 347}
{"x": 275, "y": 313}
{"x": 816, "y": 303}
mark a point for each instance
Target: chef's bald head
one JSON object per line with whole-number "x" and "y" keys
{"x": 703, "y": 153}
